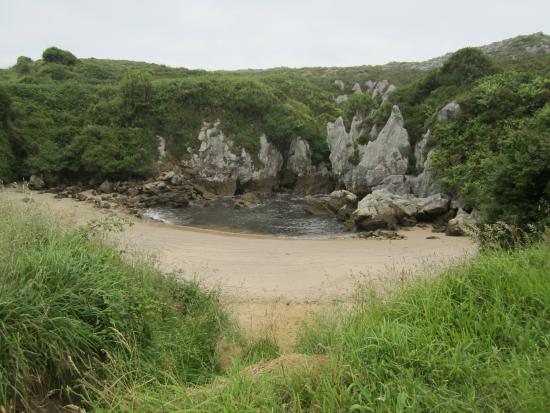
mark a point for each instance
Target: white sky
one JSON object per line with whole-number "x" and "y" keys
{"x": 216, "y": 34}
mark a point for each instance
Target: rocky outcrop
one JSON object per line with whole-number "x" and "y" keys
{"x": 386, "y": 155}
{"x": 299, "y": 157}
{"x": 340, "y": 99}
{"x": 461, "y": 221}
{"x": 341, "y": 146}
{"x": 36, "y": 182}
{"x": 301, "y": 175}
{"x": 263, "y": 179}
{"x": 341, "y": 203}
{"x": 340, "y": 84}
{"x": 356, "y": 88}
{"x": 161, "y": 147}
{"x": 382, "y": 209}
{"x": 106, "y": 187}
{"x": 450, "y": 111}
{"x": 220, "y": 167}
{"x": 381, "y": 88}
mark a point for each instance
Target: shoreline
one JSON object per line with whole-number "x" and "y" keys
{"x": 271, "y": 284}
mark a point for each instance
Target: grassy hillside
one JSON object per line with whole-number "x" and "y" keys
{"x": 74, "y": 314}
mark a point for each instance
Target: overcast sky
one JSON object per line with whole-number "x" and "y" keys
{"x": 231, "y": 34}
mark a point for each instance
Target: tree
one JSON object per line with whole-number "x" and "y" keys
{"x": 136, "y": 91}
{"x": 55, "y": 55}
{"x": 23, "y": 65}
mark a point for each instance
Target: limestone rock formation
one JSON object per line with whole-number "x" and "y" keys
{"x": 356, "y": 88}
{"x": 341, "y": 203}
{"x": 458, "y": 224}
{"x": 36, "y": 182}
{"x": 340, "y": 84}
{"x": 340, "y": 99}
{"x": 341, "y": 145}
{"x": 380, "y": 88}
{"x": 450, "y": 111}
{"x": 386, "y": 155}
{"x": 382, "y": 209}
{"x": 161, "y": 147}
{"x": 220, "y": 169}
{"x": 299, "y": 157}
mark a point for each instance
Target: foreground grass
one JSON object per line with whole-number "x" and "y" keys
{"x": 477, "y": 339}
{"x": 76, "y": 317}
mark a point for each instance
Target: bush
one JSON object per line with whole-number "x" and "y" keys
{"x": 74, "y": 315}
{"x": 62, "y": 57}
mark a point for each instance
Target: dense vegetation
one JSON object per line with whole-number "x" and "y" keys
{"x": 74, "y": 314}
{"x": 496, "y": 154}
{"x": 476, "y": 339}
{"x": 79, "y": 119}
{"x": 72, "y": 119}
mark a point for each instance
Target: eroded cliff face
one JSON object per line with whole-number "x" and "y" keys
{"x": 385, "y": 155}
{"x": 221, "y": 167}
{"x": 361, "y": 160}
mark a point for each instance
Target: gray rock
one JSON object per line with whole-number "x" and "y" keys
{"x": 317, "y": 206}
{"x": 450, "y": 111}
{"x": 382, "y": 209}
{"x": 421, "y": 151}
{"x": 161, "y": 147}
{"x": 461, "y": 221}
{"x": 432, "y": 205}
{"x": 386, "y": 155}
{"x": 388, "y": 92}
{"x": 396, "y": 184}
{"x": 106, "y": 187}
{"x": 36, "y": 182}
{"x": 356, "y": 88}
{"x": 340, "y": 84}
{"x": 218, "y": 167}
{"x": 425, "y": 183}
{"x": 340, "y": 99}
{"x": 341, "y": 148}
{"x": 380, "y": 88}
{"x": 299, "y": 157}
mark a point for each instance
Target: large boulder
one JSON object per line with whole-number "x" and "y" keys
{"x": 342, "y": 203}
{"x": 450, "y": 111}
{"x": 383, "y": 209}
{"x": 106, "y": 187}
{"x": 461, "y": 221}
{"x": 36, "y": 182}
{"x": 318, "y": 206}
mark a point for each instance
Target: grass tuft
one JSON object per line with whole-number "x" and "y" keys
{"x": 77, "y": 319}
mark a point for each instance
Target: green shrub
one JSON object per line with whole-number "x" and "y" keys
{"x": 62, "y": 57}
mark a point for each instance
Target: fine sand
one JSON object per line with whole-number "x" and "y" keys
{"x": 272, "y": 283}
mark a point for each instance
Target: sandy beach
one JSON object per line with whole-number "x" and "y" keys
{"x": 272, "y": 283}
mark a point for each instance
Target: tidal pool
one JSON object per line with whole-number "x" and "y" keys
{"x": 274, "y": 215}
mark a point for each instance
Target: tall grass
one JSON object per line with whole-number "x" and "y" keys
{"x": 75, "y": 317}
{"x": 476, "y": 339}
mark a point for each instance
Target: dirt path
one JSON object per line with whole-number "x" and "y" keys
{"x": 273, "y": 282}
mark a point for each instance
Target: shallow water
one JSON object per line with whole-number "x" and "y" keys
{"x": 274, "y": 215}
